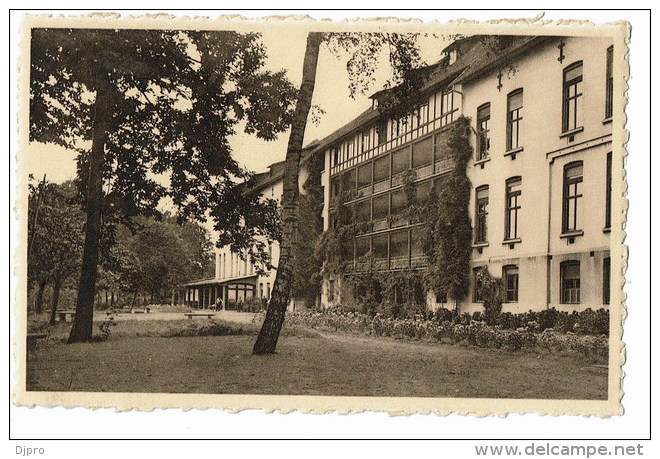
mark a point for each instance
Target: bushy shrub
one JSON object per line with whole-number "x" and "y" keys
{"x": 253, "y": 304}
{"x": 452, "y": 328}
{"x": 591, "y": 322}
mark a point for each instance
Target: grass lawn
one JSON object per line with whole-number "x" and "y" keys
{"x": 307, "y": 363}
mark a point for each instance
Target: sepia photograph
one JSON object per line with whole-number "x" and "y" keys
{"x": 376, "y": 215}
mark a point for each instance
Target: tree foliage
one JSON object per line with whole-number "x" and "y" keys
{"x": 182, "y": 95}
{"x": 150, "y": 112}
{"x": 160, "y": 255}
{"x": 55, "y": 235}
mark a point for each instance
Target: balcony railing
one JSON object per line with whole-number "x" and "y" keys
{"x": 380, "y": 224}
{"x": 419, "y": 261}
{"x": 398, "y": 178}
{"x": 443, "y": 165}
{"x": 382, "y": 185}
{"x": 399, "y": 262}
{"x": 364, "y": 191}
{"x": 424, "y": 171}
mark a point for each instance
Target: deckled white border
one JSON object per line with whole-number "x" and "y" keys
{"x": 391, "y": 405}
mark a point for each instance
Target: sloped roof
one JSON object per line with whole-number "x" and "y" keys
{"x": 475, "y": 58}
{"x": 276, "y": 170}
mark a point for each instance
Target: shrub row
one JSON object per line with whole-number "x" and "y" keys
{"x": 587, "y": 322}
{"x": 475, "y": 332}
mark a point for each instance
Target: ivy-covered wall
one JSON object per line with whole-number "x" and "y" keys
{"x": 448, "y": 231}
{"x": 307, "y": 261}
{"x": 446, "y": 239}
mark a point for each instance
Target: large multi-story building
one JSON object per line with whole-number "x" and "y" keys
{"x": 540, "y": 111}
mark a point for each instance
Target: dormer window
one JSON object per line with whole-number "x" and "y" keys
{"x": 453, "y": 55}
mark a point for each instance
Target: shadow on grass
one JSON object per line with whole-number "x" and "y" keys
{"x": 164, "y": 329}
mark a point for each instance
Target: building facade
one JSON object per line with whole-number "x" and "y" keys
{"x": 540, "y": 110}
{"x": 238, "y": 282}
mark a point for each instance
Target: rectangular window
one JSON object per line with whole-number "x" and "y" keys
{"x": 399, "y": 249}
{"x": 572, "y": 100}
{"x": 348, "y": 180}
{"x": 335, "y": 187}
{"x": 570, "y": 282}
{"x": 381, "y": 206}
{"x": 609, "y": 83}
{"x": 481, "y": 215}
{"x": 363, "y": 211}
{"x": 422, "y": 153}
{"x": 477, "y": 296}
{"x": 364, "y": 176}
{"x": 572, "y": 195}
{"x": 423, "y": 115}
{"x": 447, "y": 107}
{"x": 394, "y": 128}
{"x": 514, "y": 119}
{"x": 381, "y": 173}
{"x": 423, "y": 192}
{"x": 418, "y": 257}
{"x": 483, "y": 131}
{"x": 513, "y": 192}
{"x": 608, "y": 192}
{"x": 381, "y": 132}
{"x": 606, "y": 280}
{"x": 398, "y": 208}
{"x": 380, "y": 247}
{"x": 400, "y": 161}
{"x": 366, "y": 141}
{"x": 510, "y": 277}
{"x": 362, "y": 247}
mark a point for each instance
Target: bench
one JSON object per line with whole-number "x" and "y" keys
{"x": 190, "y": 315}
{"x": 65, "y": 315}
{"x": 32, "y": 338}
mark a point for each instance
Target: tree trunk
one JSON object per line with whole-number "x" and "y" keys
{"x": 57, "y": 287}
{"x": 270, "y": 330}
{"x": 39, "y": 303}
{"x": 82, "y": 324}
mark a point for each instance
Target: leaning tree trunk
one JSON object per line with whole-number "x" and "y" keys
{"x": 270, "y": 330}
{"x": 57, "y": 287}
{"x": 82, "y": 324}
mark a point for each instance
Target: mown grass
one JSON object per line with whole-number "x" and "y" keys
{"x": 328, "y": 364}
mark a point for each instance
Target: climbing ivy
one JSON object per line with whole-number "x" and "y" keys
{"x": 307, "y": 262}
{"x": 447, "y": 238}
{"x": 491, "y": 292}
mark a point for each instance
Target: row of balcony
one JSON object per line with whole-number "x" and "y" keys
{"x": 385, "y": 264}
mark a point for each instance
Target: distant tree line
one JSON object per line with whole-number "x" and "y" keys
{"x": 144, "y": 259}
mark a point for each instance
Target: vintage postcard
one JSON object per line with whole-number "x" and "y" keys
{"x": 295, "y": 214}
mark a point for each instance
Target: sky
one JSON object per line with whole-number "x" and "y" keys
{"x": 285, "y": 50}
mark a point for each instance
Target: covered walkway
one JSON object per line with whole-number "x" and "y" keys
{"x": 212, "y": 293}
